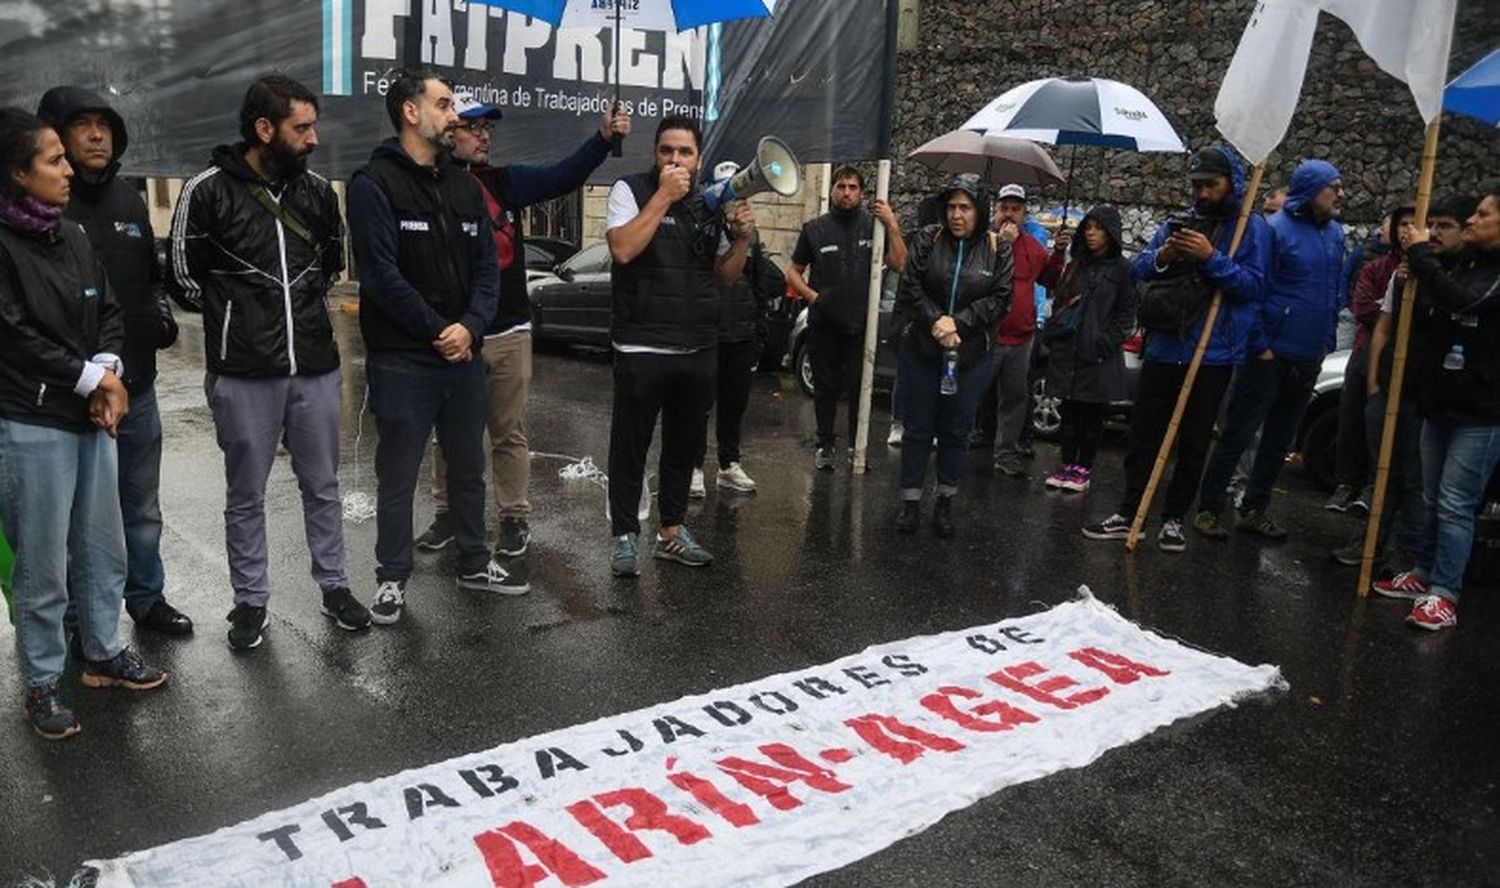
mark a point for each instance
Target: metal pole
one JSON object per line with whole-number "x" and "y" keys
{"x": 1398, "y": 371}
{"x": 872, "y": 322}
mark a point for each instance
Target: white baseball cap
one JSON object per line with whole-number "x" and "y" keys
{"x": 1013, "y": 191}
{"x": 725, "y": 169}
{"x": 468, "y": 108}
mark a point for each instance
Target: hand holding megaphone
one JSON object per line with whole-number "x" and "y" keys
{"x": 741, "y": 218}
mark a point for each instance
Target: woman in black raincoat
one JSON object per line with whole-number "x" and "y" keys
{"x": 1093, "y": 315}
{"x": 954, "y": 291}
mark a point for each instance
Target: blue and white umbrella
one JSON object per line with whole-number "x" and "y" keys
{"x": 1079, "y": 111}
{"x": 1476, "y": 92}
{"x": 643, "y": 15}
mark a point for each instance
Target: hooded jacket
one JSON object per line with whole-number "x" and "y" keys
{"x": 1086, "y": 363}
{"x": 263, "y": 288}
{"x": 118, "y": 226}
{"x": 968, "y": 279}
{"x": 1241, "y": 280}
{"x": 1306, "y": 286}
{"x": 1458, "y": 305}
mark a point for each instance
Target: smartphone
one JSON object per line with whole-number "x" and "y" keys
{"x": 1173, "y": 226}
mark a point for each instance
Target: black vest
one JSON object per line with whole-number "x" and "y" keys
{"x": 439, "y": 213}
{"x": 668, "y": 297}
{"x": 510, "y": 249}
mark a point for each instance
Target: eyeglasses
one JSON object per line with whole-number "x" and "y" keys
{"x": 477, "y": 127}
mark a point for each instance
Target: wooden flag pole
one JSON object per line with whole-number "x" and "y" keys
{"x": 1246, "y": 208}
{"x": 1398, "y": 371}
{"x": 872, "y": 324}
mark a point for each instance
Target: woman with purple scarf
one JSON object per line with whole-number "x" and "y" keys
{"x": 61, "y": 401}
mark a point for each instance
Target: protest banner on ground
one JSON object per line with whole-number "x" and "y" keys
{"x": 765, "y": 783}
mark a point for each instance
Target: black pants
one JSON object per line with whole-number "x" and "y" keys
{"x": 1082, "y": 427}
{"x": 681, "y": 389}
{"x": 737, "y": 362}
{"x": 1156, "y": 397}
{"x": 1351, "y": 461}
{"x": 836, "y": 357}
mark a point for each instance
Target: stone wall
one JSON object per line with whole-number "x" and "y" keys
{"x": 1176, "y": 51}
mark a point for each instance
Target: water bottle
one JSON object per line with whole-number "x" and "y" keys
{"x": 1454, "y": 360}
{"x": 949, "y": 385}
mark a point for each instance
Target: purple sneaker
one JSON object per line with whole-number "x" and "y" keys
{"x": 1077, "y": 480}
{"x": 1060, "y": 478}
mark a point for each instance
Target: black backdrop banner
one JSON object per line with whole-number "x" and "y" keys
{"x": 818, "y": 74}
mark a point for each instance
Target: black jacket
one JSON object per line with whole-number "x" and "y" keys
{"x": 426, "y": 252}
{"x": 745, "y": 303}
{"x": 263, "y": 288}
{"x": 1458, "y": 305}
{"x": 835, "y": 248}
{"x": 1084, "y": 335}
{"x": 56, "y": 313}
{"x": 119, "y": 228}
{"x": 978, "y": 302}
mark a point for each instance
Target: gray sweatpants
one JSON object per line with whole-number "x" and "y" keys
{"x": 1012, "y": 391}
{"x": 252, "y": 417}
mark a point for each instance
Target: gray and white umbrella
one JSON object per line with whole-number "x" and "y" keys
{"x": 997, "y": 161}
{"x": 1079, "y": 111}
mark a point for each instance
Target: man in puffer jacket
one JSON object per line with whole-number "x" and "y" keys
{"x": 118, "y": 225}
{"x": 1298, "y": 323}
{"x": 1218, "y": 188}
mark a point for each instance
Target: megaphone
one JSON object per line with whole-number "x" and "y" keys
{"x": 774, "y": 169}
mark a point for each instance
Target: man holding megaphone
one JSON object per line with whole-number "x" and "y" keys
{"x": 671, "y": 256}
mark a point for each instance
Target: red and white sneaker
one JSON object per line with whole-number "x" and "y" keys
{"x": 1433, "y": 612}
{"x": 1405, "y": 585}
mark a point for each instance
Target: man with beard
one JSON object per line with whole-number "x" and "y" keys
{"x": 119, "y": 227}
{"x": 1305, "y": 289}
{"x": 836, "y": 247}
{"x": 257, "y": 241}
{"x": 1190, "y": 257}
{"x": 429, "y": 289}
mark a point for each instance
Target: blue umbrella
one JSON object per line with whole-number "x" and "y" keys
{"x": 646, "y": 15}
{"x": 1476, "y": 92}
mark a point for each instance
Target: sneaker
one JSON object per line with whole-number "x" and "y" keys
{"x": 942, "y": 517}
{"x": 683, "y": 549}
{"x": 824, "y": 459}
{"x": 347, "y": 613}
{"x": 1343, "y": 495}
{"x": 438, "y": 536}
{"x": 515, "y": 536}
{"x": 390, "y": 600}
{"x": 1010, "y": 464}
{"x": 1352, "y": 553}
{"x": 1115, "y": 527}
{"x": 1058, "y": 478}
{"x": 247, "y": 626}
{"x": 49, "y": 716}
{"x": 1209, "y": 524}
{"x": 696, "y": 488}
{"x": 1403, "y": 585}
{"x": 124, "y": 670}
{"x": 626, "y": 560}
{"x": 1257, "y": 522}
{"x": 893, "y": 437}
{"x": 1360, "y": 505}
{"x": 1077, "y": 480}
{"x": 735, "y": 478}
{"x": 1433, "y": 613}
{"x": 494, "y": 578}
{"x": 909, "y": 517}
{"x": 1171, "y": 538}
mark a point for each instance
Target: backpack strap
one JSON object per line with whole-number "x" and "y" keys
{"x": 284, "y": 216}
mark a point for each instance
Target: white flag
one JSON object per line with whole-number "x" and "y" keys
{"x": 1259, "y": 93}
{"x": 1408, "y": 39}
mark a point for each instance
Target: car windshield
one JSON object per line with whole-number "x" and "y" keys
{"x": 592, "y": 260}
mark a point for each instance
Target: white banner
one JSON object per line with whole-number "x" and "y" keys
{"x": 1408, "y": 39}
{"x": 1259, "y": 93}
{"x": 766, "y": 783}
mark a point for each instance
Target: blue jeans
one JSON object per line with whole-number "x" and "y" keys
{"x": 410, "y": 398}
{"x": 57, "y": 486}
{"x": 928, "y": 413}
{"x": 1269, "y": 397}
{"x": 1401, "y": 523}
{"x": 1457, "y": 461}
{"x": 139, "y": 446}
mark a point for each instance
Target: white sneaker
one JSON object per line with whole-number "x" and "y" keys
{"x": 894, "y": 438}
{"x": 390, "y": 599}
{"x": 735, "y": 478}
{"x": 696, "y": 490}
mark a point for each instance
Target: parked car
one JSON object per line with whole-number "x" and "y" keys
{"x": 572, "y": 305}
{"x": 1317, "y": 436}
{"x": 546, "y": 253}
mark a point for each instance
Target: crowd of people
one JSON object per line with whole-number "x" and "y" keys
{"x": 435, "y": 225}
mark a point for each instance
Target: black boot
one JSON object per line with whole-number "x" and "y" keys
{"x": 909, "y": 517}
{"x": 942, "y": 517}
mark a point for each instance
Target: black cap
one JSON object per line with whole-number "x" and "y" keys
{"x": 1208, "y": 164}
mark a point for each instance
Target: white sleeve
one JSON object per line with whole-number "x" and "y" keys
{"x": 1388, "y": 304}
{"x": 622, "y": 206}
{"x": 724, "y": 244}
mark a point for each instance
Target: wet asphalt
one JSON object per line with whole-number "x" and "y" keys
{"x": 1378, "y": 767}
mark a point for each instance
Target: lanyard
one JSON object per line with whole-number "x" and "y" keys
{"x": 953, "y": 290}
